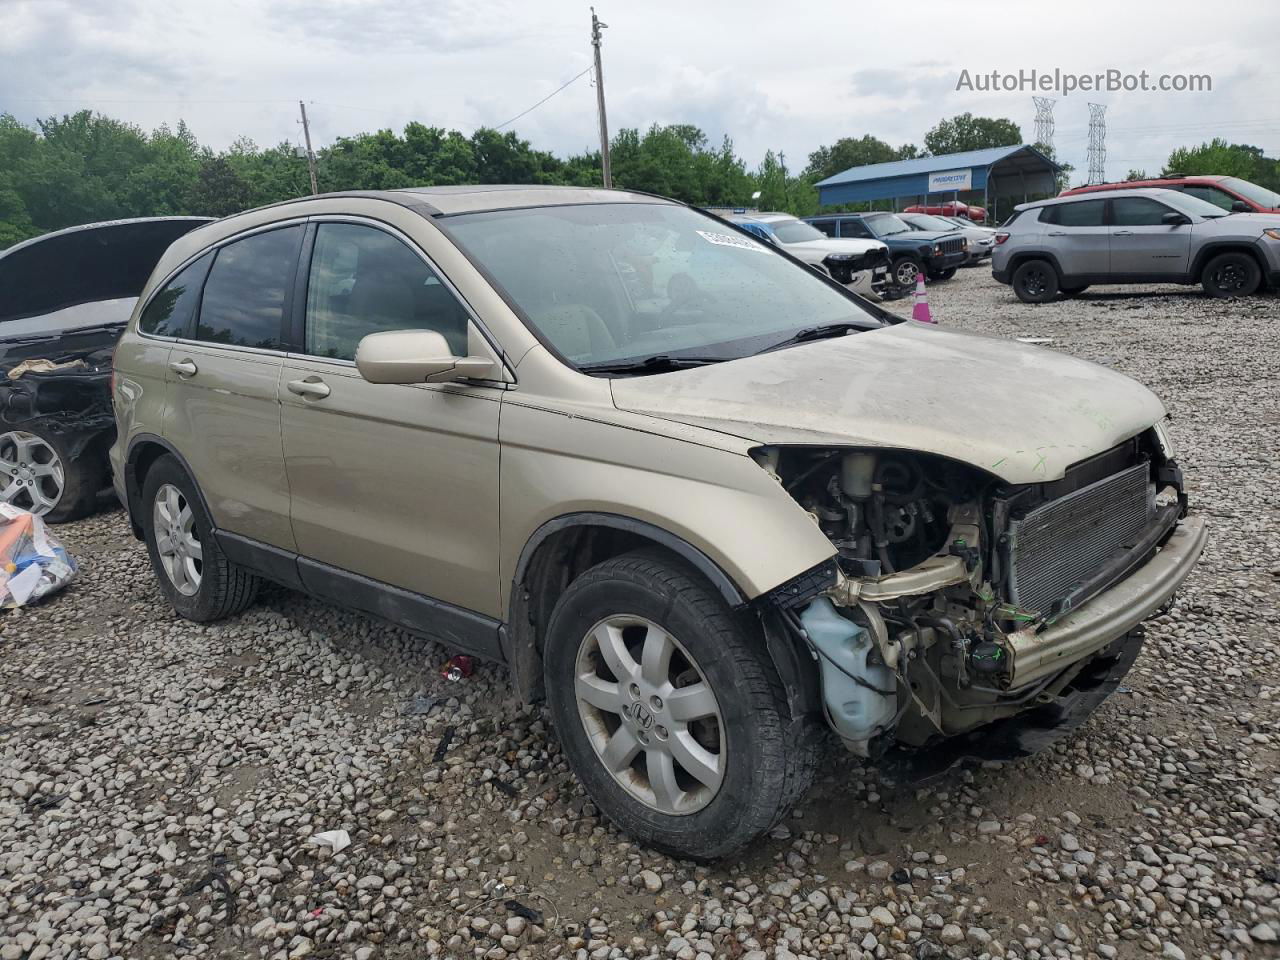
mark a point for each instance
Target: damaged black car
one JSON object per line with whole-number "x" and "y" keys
{"x": 65, "y": 298}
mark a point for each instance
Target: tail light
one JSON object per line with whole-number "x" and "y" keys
{"x": 1001, "y": 237}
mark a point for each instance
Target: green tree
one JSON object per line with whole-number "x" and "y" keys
{"x": 967, "y": 132}
{"x": 848, "y": 152}
{"x": 1229, "y": 159}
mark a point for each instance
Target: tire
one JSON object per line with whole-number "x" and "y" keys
{"x": 1231, "y": 274}
{"x": 751, "y": 761}
{"x": 39, "y": 475}
{"x": 1035, "y": 281}
{"x": 203, "y": 588}
{"x": 938, "y": 276}
{"x": 904, "y": 265}
{"x": 1069, "y": 292}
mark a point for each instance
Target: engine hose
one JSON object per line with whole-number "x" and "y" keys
{"x": 876, "y": 518}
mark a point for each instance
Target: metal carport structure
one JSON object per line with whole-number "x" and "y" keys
{"x": 994, "y": 172}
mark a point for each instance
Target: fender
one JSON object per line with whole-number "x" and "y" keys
{"x": 132, "y": 492}
{"x": 1214, "y": 247}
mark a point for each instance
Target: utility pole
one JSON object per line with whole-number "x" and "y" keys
{"x": 596, "y": 27}
{"x": 786, "y": 192}
{"x": 311, "y": 157}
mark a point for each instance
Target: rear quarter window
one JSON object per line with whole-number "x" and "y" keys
{"x": 169, "y": 312}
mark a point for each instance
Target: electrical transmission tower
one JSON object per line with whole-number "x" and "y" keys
{"x": 1097, "y": 143}
{"x": 1044, "y": 121}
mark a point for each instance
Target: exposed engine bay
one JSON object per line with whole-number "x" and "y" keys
{"x": 936, "y": 615}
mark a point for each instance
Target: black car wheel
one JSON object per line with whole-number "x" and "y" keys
{"x": 1035, "y": 281}
{"x": 1231, "y": 275}
{"x": 905, "y": 270}
{"x": 39, "y": 474}
{"x": 194, "y": 574}
{"x": 670, "y": 711}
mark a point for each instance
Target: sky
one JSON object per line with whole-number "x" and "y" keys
{"x": 786, "y": 77}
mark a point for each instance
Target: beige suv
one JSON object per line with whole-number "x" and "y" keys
{"x": 707, "y": 503}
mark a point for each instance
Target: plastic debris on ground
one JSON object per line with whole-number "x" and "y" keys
{"x": 337, "y": 840}
{"x": 33, "y": 563}
{"x": 1034, "y": 339}
{"x": 419, "y": 706}
{"x": 456, "y": 668}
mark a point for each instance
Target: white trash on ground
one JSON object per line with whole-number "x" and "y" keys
{"x": 33, "y": 563}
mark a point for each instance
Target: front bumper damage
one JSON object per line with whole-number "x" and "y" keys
{"x": 936, "y": 655}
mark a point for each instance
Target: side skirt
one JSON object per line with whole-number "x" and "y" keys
{"x": 453, "y": 626}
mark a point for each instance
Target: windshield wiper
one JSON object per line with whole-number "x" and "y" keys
{"x": 820, "y": 332}
{"x": 658, "y": 363}
{"x": 63, "y": 333}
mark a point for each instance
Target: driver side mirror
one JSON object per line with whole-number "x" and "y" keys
{"x": 1239, "y": 206}
{"x": 415, "y": 356}
{"x": 1174, "y": 219}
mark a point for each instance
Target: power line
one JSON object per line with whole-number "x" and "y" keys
{"x": 544, "y": 99}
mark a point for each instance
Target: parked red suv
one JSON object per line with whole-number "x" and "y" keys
{"x": 952, "y": 208}
{"x": 1229, "y": 193}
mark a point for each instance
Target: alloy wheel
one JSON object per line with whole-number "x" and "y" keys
{"x": 31, "y": 472}
{"x": 651, "y": 716}
{"x": 905, "y": 273}
{"x": 1034, "y": 282}
{"x": 177, "y": 542}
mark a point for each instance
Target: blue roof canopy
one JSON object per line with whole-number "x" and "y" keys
{"x": 1019, "y": 168}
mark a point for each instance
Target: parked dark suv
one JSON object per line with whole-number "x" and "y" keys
{"x": 936, "y": 254}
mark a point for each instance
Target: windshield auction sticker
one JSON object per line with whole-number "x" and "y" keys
{"x": 729, "y": 240}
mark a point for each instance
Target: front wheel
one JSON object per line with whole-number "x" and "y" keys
{"x": 670, "y": 711}
{"x": 39, "y": 474}
{"x": 1035, "y": 282}
{"x": 194, "y": 574}
{"x": 1231, "y": 275}
{"x": 905, "y": 271}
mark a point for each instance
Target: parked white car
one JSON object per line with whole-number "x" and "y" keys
{"x": 861, "y": 265}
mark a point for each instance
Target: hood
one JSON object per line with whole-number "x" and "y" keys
{"x": 1021, "y": 412}
{"x": 1246, "y": 222}
{"x": 86, "y": 264}
{"x": 929, "y": 235}
{"x": 815, "y": 251}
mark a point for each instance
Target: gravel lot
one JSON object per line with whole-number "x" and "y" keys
{"x": 159, "y": 780}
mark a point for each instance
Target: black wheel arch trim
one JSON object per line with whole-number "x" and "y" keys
{"x": 1022, "y": 256}
{"x": 1215, "y": 247}
{"x": 132, "y": 489}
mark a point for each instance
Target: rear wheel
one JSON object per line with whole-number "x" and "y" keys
{"x": 1035, "y": 281}
{"x": 1231, "y": 275}
{"x": 670, "y": 711}
{"x": 38, "y": 474}
{"x": 194, "y": 574}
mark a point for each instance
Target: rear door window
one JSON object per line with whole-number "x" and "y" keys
{"x": 247, "y": 291}
{"x": 1084, "y": 213}
{"x": 169, "y": 312}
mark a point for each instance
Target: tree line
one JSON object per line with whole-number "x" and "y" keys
{"x": 86, "y": 167}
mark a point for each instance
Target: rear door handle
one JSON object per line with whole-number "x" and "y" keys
{"x": 183, "y": 368}
{"x": 1057, "y": 233}
{"x": 1123, "y": 233}
{"x": 312, "y": 387}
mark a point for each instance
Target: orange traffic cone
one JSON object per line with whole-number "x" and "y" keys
{"x": 921, "y": 310}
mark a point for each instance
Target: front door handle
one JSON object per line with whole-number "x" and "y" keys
{"x": 183, "y": 368}
{"x": 1057, "y": 233}
{"x": 1123, "y": 233}
{"x": 312, "y": 387}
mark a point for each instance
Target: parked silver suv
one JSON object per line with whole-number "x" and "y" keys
{"x": 666, "y": 473}
{"x": 1061, "y": 246}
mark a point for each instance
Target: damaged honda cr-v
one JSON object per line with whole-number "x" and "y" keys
{"x": 64, "y": 299}
{"x": 705, "y": 502}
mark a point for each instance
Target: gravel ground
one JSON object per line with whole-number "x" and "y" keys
{"x": 160, "y": 781}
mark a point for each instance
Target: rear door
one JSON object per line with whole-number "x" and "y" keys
{"x": 1142, "y": 245}
{"x": 397, "y": 483}
{"x": 223, "y": 377}
{"x": 1077, "y": 234}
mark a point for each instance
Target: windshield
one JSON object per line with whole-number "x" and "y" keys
{"x": 1251, "y": 191}
{"x": 605, "y": 283}
{"x": 887, "y": 224}
{"x": 795, "y": 231}
{"x": 924, "y": 221}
